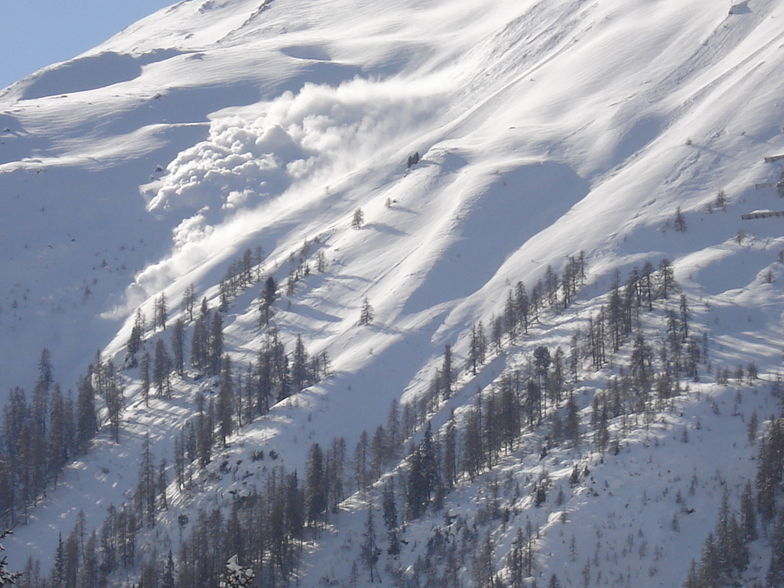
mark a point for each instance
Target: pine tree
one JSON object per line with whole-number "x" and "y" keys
{"x": 572, "y": 424}
{"x": 144, "y": 375}
{"x": 178, "y": 346}
{"x": 86, "y": 420}
{"x": 335, "y": 465}
{"x": 369, "y": 551}
{"x": 223, "y": 296}
{"x": 113, "y": 395}
{"x": 390, "y": 518}
{"x": 693, "y": 579}
{"x": 510, "y": 316}
{"x": 316, "y": 485}
{"x": 226, "y": 400}
{"x": 483, "y": 569}
{"x": 58, "y": 568}
{"x": 450, "y": 453}
{"x": 748, "y": 514}
{"x": 189, "y": 300}
{"x": 515, "y": 561}
{"x": 775, "y": 575}
{"x": 299, "y": 367}
{"x": 236, "y": 576}
{"x": 295, "y": 506}
{"x": 532, "y": 402}
{"x": 204, "y": 433}
{"x": 6, "y": 576}
{"x": 394, "y": 433}
{"x": 144, "y": 496}
{"x": 709, "y": 563}
{"x": 71, "y": 559}
{"x": 666, "y": 279}
{"x": 551, "y": 285}
{"x": 161, "y": 485}
{"x": 366, "y": 314}
{"x": 417, "y": 494}
{"x": 769, "y": 470}
{"x": 556, "y": 378}
{"x": 738, "y": 552}
{"x": 379, "y": 452}
{"x": 522, "y": 306}
{"x": 57, "y": 442}
{"x": 721, "y": 200}
{"x": 684, "y": 318}
{"x": 283, "y": 376}
{"x": 679, "y": 222}
{"x": 430, "y": 459}
{"x": 161, "y": 312}
{"x": 542, "y": 361}
{"x": 509, "y": 414}
{"x": 199, "y": 343}
{"x": 641, "y": 368}
{"x": 473, "y": 354}
{"x": 602, "y": 433}
{"x": 215, "y": 348}
{"x": 88, "y": 574}
{"x": 136, "y": 339}
{"x": 108, "y": 542}
{"x": 361, "y": 461}
{"x": 473, "y": 450}
{"x": 268, "y": 296}
{"x": 446, "y": 373}
{"x": 497, "y": 332}
{"x": 167, "y": 580}
{"x": 358, "y": 219}
{"x": 161, "y": 369}
{"x": 615, "y": 315}
{"x": 723, "y": 542}
{"x": 321, "y": 262}
{"x": 528, "y": 552}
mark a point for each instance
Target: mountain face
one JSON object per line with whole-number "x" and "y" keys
{"x": 480, "y": 267}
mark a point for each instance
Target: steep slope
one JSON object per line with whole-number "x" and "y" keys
{"x": 545, "y": 128}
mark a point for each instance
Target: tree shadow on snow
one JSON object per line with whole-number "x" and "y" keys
{"x": 384, "y": 228}
{"x": 307, "y": 310}
{"x": 9, "y": 125}
{"x": 740, "y": 8}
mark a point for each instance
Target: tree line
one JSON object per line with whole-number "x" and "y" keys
{"x": 523, "y": 399}
{"x": 540, "y": 394}
{"x": 43, "y": 433}
{"x": 725, "y": 553}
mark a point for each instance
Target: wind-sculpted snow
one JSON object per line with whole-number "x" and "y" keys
{"x": 91, "y": 72}
{"x": 512, "y": 207}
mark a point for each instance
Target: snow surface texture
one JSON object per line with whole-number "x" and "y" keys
{"x": 545, "y": 128}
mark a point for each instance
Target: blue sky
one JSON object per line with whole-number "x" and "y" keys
{"x": 37, "y": 33}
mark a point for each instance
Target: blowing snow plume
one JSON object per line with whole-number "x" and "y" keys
{"x": 307, "y": 138}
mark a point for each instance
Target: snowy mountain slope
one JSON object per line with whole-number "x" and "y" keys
{"x": 189, "y": 105}
{"x": 545, "y": 129}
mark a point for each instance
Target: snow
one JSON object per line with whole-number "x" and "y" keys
{"x": 545, "y": 128}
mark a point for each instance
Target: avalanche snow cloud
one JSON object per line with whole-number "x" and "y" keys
{"x": 260, "y": 151}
